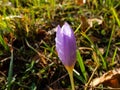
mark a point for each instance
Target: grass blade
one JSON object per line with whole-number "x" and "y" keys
{"x": 115, "y": 53}
{"x": 10, "y": 72}
{"x": 3, "y": 43}
{"x": 78, "y": 76}
{"x": 81, "y": 64}
{"x": 97, "y": 50}
{"x": 109, "y": 42}
{"x": 116, "y": 16}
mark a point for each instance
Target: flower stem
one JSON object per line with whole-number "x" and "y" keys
{"x": 70, "y": 72}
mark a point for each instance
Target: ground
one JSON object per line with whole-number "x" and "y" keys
{"x": 28, "y": 56}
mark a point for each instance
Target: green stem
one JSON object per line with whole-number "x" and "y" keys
{"x": 70, "y": 72}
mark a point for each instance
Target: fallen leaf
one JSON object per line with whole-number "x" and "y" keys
{"x": 110, "y": 78}
{"x": 84, "y": 23}
{"x": 88, "y": 23}
{"x": 91, "y": 21}
{"x": 80, "y": 2}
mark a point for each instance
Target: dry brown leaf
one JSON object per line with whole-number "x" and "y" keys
{"x": 91, "y": 21}
{"x": 111, "y": 79}
{"x": 85, "y": 23}
{"x": 80, "y": 2}
{"x": 102, "y": 51}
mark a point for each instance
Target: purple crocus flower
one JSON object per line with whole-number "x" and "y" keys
{"x": 66, "y": 45}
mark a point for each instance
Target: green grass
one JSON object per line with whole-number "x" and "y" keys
{"x": 82, "y": 67}
{"x": 24, "y": 27}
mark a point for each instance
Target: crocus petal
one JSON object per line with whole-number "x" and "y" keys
{"x": 66, "y": 45}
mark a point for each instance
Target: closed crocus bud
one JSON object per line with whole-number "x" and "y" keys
{"x": 66, "y": 45}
